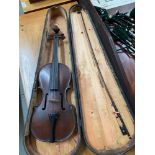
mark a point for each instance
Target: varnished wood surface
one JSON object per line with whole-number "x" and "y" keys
{"x": 129, "y": 68}
{"x": 27, "y": 6}
{"x": 31, "y": 27}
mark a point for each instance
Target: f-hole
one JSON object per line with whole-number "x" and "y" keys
{"x": 45, "y": 102}
{"x": 62, "y": 102}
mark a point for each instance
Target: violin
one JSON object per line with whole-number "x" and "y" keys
{"x": 54, "y": 119}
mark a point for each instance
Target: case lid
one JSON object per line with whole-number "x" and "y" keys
{"x": 108, "y": 126}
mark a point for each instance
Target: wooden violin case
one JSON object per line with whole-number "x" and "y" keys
{"x": 95, "y": 90}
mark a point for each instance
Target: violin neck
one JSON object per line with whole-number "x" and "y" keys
{"x": 55, "y": 49}
{"x": 55, "y": 69}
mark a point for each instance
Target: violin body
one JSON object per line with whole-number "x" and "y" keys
{"x": 54, "y": 119}
{"x": 52, "y": 102}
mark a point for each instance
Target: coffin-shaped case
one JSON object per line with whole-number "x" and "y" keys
{"x": 58, "y": 16}
{"x": 99, "y": 93}
{"x": 102, "y": 110}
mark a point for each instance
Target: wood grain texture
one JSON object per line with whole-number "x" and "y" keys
{"x": 128, "y": 64}
{"x": 30, "y": 34}
{"x": 96, "y": 104}
{"x": 31, "y": 28}
{"x": 109, "y": 47}
{"x": 28, "y": 7}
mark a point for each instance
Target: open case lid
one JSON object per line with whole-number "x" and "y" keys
{"x": 107, "y": 121}
{"x": 110, "y": 48}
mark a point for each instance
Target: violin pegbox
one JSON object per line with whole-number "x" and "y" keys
{"x": 54, "y": 31}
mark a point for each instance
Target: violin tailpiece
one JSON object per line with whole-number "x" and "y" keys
{"x": 53, "y": 118}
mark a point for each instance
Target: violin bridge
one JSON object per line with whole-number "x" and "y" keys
{"x": 54, "y": 97}
{"x": 55, "y": 100}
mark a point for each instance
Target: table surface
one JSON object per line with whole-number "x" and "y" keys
{"x": 28, "y": 7}
{"x": 30, "y": 33}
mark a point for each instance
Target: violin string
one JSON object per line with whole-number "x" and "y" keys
{"x": 52, "y": 73}
{"x": 51, "y": 70}
{"x": 57, "y": 62}
{"x": 54, "y": 65}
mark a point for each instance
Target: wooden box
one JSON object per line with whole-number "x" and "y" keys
{"x": 104, "y": 117}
